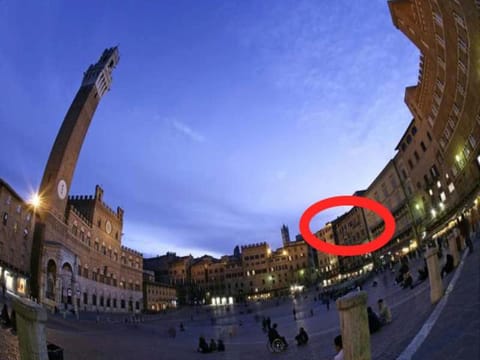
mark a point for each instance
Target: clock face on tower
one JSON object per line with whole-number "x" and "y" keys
{"x": 108, "y": 227}
{"x": 62, "y": 189}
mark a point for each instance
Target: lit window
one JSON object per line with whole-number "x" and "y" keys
{"x": 443, "y": 197}
{"x": 451, "y": 187}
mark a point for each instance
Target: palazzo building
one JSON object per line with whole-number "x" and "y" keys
{"x": 438, "y": 156}
{"x": 16, "y": 229}
{"x": 78, "y": 260}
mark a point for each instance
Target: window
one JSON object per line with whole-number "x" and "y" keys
{"x": 422, "y": 145}
{"x": 440, "y": 40}
{"x": 462, "y": 66}
{"x": 472, "y": 141}
{"x": 429, "y": 136}
{"x": 459, "y": 20}
{"x": 440, "y": 85}
{"x": 85, "y": 298}
{"x": 462, "y": 44}
{"x": 414, "y": 130}
{"x": 409, "y": 139}
{"x": 443, "y": 143}
{"x": 447, "y": 133}
{"x": 455, "y": 109}
{"x": 410, "y": 164}
{"x": 438, "y": 19}
{"x": 451, "y": 123}
{"x": 5, "y": 218}
{"x": 441, "y": 62}
{"x": 416, "y": 155}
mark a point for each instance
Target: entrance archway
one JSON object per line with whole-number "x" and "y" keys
{"x": 67, "y": 284}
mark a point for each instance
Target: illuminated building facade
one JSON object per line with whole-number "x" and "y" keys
{"x": 439, "y": 153}
{"x": 16, "y": 229}
{"x": 78, "y": 261}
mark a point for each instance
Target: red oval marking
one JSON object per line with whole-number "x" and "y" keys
{"x": 347, "y": 250}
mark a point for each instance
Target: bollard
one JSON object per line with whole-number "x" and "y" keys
{"x": 436, "y": 284}
{"x": 32, "y": 339}
{"x": 352, "y": 309}
{"x": 452, "y": 245}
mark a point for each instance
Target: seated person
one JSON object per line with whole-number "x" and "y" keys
{"x": 202, "y": 345}
{"x": 302, "y": 337}
{"x": 374, "y": 323}
{"x": 273, "y": 334}
{"x": 385, "y": 315}
{"x": 4, "y": 316}
{"x": 423, "y": 273}
{"x": 220, "y": 345}
{"x": 448, "y": 267}
{"x": 338, "y": 347}
{"x": 213, "y": 345}
{"x": 407, "y": 281}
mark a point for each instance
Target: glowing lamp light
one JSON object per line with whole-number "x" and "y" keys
{"x": 35, "y": 200}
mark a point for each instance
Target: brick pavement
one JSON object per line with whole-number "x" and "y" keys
{"x": 8, "y": 341}
{"x": 456, "y": 334}
{"x": 88, "y": 340}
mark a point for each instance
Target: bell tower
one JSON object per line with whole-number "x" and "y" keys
{"x": 62, "y": 161}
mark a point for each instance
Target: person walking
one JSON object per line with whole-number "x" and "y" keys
{"x": 465, "y": 231}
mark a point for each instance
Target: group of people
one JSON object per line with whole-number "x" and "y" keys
{"x": 204, "y": 347}
{"x": 404, "y": 277}
{"x": 384, "y": 317}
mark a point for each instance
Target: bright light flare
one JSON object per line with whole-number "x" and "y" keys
{"x": 35, "y": 200}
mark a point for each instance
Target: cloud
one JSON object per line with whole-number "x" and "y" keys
{"x": 188, "y": 131}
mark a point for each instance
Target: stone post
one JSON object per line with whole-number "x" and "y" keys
{"x": 352, "y": 309}
{"x": 436, "y": 284}
{"x": 32, "y": 339}
{"x": 452, "y": 245}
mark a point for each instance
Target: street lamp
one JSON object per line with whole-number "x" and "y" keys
{"x": 35, "y": 200}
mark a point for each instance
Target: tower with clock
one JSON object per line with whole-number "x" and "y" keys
{"x": 61, "y": 164}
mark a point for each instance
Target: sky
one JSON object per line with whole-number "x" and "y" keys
{"x": 225, "y": 119}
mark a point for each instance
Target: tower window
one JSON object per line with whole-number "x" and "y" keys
{"x": 422, "y": 145}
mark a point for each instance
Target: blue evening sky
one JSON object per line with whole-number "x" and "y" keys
{"x": 225, "y": 119}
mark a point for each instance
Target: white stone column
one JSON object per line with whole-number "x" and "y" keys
{"x": 352, "y": 309}
{"x": 452, "y": 245}
{"x": 32, "y": 339}
{"x": 436, "y": 284}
